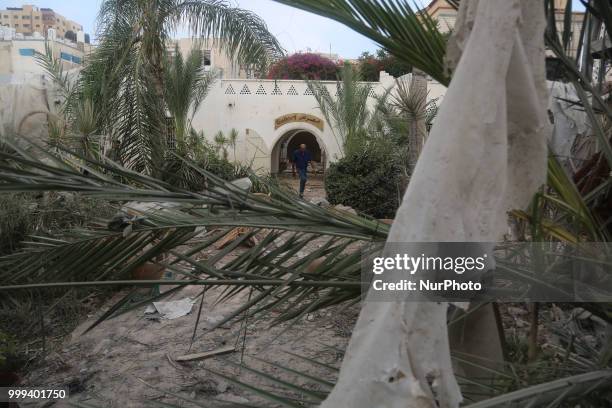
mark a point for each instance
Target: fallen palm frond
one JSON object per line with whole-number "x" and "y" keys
{"x": 291, "y": 387}
{"x": 287, "y": 281}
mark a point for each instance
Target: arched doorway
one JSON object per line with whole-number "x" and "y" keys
{"x": 290, "y": 142}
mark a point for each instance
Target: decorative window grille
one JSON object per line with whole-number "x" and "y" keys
{"x": 245, "y": 90}
{"x": 276, "y": 90}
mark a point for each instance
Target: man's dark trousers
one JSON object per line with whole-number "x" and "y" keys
{"x": 303, "y": 177}
{"x": 301, "y": 158}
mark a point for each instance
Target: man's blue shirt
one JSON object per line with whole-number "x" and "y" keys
{"x": 301, "y": 158}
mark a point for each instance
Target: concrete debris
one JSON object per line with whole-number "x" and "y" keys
{"x": 321, "y": 202}
{"x": 345, "y": 208}
{"x": 244, "y": 183}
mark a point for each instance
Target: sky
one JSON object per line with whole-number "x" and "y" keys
{"x": 295, "y": 29}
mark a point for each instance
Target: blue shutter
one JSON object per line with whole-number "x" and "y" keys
{"x": 65, "y": 56}
{"x": 26, "y": 52}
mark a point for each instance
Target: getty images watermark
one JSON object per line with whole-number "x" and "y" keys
{"x": 480, "y": 271}
{"x": 409, "y": 265}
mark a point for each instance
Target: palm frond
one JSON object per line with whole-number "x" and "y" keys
{"x": 410, "y": 35}
{"x": 187, "y": 84}
{"x": 284, "y": 224}
{"x": 348, "y": 111}
{"x": 240, "y": 32}
{"x": 553, "y": 393}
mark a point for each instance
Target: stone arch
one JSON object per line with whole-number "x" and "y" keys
{"x": 297, "y": 132}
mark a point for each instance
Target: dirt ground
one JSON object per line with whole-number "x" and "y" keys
{"x": 314, "y": 186}
{"x": 130, "y": 360}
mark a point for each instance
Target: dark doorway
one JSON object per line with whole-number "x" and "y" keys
{"x": 289, "y": 143}
{"x": 309, "y": 140}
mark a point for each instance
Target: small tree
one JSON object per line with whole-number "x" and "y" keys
{"x": 352, "y": 121}
{"x": 371, "y": 65}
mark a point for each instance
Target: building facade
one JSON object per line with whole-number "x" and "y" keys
{"x": 29, "y": 19}
{"x": 446, "y": 15}
{"x": 272, "y": 118}
{"x": 17, "y": 55}
{"x": 215, "y": 57}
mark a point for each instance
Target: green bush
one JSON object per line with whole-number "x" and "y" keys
{"x": 181, "y": 174}
{"x": 23, "y": 214}
{"x": 366, "y": 181}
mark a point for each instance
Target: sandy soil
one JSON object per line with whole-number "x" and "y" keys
{"x": 130, "y": 360}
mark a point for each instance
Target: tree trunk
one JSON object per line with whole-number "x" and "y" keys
{"x": 154, "y": 50}
{"x": 486, "y": 154}
{"x": 418, "y": 128}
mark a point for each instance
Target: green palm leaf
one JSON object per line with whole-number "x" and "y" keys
{"x": 411, "y": 36}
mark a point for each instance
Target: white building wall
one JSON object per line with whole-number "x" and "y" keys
{"x": 18, "y": 62}
{"x": 251, "y": 106}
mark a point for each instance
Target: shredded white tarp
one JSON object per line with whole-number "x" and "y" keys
{"x": 570, "y": 121}
{"x": 486, "y": 154}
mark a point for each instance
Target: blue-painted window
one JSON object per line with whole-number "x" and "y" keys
{"x": 76, "y": 59}
{"x": 65, "y": 56}
{"x": 26, "y": 52}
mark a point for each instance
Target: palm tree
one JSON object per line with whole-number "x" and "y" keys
{"x": 232, "y": 140}
{"x": 408, "y": 113}
{"x": 186, "y": 84}
{"x": 126, "y": 73}
{"x": 352, "y": 121}
{"x": 221, "y": 144}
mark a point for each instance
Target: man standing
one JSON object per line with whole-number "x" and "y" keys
{"x": 301, "y": 158}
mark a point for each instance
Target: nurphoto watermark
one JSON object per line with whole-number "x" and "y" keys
{"x": 482, "y": 271}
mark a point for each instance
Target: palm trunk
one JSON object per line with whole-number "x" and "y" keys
{"x": 154, "y": 49}
{"x": 158, "y": 146}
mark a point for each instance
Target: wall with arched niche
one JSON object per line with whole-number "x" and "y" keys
{"x": 262, "y": 111}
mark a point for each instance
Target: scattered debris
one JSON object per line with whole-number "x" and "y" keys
{"x": 233, "y": 398}
{"x": 171, "y": 309}
{"x": 320, "y": 201}
{"x": 206, "y": 354}
{"x": 233, "y": 235}
{"x": 345, "y": 208}
{"x": 262, "y": 195}
{"x": 244, "y": 183}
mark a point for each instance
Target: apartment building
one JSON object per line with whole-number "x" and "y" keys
{"x": 29, "y": 19}
{"x": 17, "y": 54}
{"x": 446, "y": 15}
{"x": 215, "y": 57}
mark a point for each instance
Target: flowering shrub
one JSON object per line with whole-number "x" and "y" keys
{"x": 371, "y": 65}
{"x": 304, "y": 66}
{"x": 369, "y": 68}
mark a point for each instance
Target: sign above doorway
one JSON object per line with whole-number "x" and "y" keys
{"x": 299, "y": 117}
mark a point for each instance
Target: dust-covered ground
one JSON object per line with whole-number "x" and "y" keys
{"x": 130, "y": 360}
